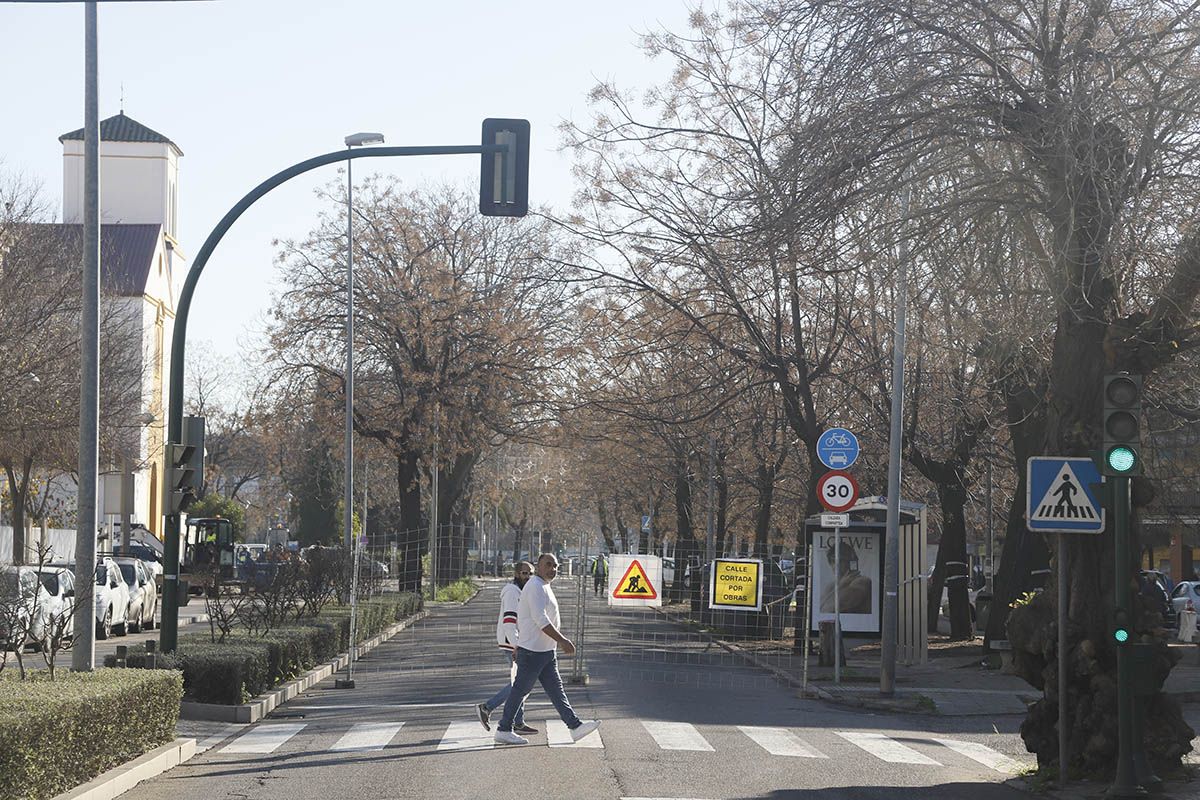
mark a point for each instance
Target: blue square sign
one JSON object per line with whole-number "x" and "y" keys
{"x": 1059, "y": 495}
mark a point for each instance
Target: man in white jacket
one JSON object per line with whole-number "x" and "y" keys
{"x": 506, "y": 640}
{"x": 538, "y": 637}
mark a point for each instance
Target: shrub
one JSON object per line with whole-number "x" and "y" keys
{"x": 460, "y": 591}
{"x": 243, "y": 666}
{"x": 55, "y": 735}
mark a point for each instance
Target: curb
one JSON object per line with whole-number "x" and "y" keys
{"x": 122, "y": 778}
{"x": 265, "y": 703}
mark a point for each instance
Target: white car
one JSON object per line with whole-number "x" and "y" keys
{"x": 112, "y": 599}
{"x": 143, "y": 594}
{"x": 23, "y": 604}
{"x": 59, "y": 619}
{"x": 1184, "y": 591}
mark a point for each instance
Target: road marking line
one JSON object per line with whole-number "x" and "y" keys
{"x": 559, "y": 735}
{"x": 780, "y": 742}
{"x": 263, "y": 738}
{"x": 677, "y": 736}
{"x": 885, "y": 748}
{"x": 466, "y": 736}
{"x": 365, "y": 737}
{"x": 981, "y": 753}
{"x": 215, "y": 739}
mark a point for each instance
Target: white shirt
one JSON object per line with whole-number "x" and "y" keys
{"x": 506, "y": 623}
{"x": 537, "y": 609}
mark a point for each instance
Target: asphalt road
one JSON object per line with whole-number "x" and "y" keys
{"x": 678, "y": 722}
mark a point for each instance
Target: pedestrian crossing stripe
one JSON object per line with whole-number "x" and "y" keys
{"x": 635, "y": 584}
{"x": 468, "y": 735}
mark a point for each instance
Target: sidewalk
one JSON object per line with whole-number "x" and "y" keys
{"x": 956, "y": 681}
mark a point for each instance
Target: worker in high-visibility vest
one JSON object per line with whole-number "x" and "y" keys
{"x": 599, "y": 574}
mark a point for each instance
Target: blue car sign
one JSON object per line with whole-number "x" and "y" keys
{"x": 837, "y": 448}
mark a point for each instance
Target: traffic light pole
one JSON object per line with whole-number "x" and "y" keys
{"x": 1125, "y": 782}
{"x": 169, "y": 635}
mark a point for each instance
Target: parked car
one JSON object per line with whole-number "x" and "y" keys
{"x": 1154, "y": 587}
{"x": 59, "y": 584}
{"x": 1184, "y": 591}
{"x": 22, "y": 601}
{"x": 668, "y": 572}
{"x": 111, "y": 596}
{"x": 153, "y": 561}
{"x": 143, "y": 594}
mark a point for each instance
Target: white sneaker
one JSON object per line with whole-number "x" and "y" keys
{"x": 508, "y": 737}
{"x": 584, "y": 729}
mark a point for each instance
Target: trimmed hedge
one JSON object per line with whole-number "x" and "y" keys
{"x": 244, "y": 666}
{"x": 55, "y": 735}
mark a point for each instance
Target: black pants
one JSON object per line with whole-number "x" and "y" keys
{"x": 597, "y": 582}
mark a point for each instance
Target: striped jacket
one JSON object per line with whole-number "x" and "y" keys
{"x": 506, "y": 623}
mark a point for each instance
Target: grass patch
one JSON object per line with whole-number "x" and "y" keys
{"x": 460, "y": 591}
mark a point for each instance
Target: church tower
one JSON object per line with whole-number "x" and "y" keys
{"x": 139, "y": 175}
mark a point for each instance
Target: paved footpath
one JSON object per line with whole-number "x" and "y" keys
{"x": 680, "y": 720}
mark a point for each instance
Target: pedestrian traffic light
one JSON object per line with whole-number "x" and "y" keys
{"x": 1121, "y": 424}
{"x": 1121, "y": 627}
{"x": 504, "y": 175}
{"x": 185, "y": 467}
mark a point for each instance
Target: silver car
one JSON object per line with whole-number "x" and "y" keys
{"x": 143, "y": 594}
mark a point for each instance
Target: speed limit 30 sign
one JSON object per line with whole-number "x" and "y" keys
{"x": 837, "y": 491}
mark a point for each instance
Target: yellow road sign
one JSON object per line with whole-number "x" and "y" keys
{"x": 736, "y": 583}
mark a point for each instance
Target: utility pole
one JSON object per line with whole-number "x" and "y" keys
{"x": 83, "y": 651}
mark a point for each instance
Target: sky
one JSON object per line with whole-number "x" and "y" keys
{"x": 246, "y": 88}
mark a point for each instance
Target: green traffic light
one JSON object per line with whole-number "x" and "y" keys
{"x": 1121, "y": 459}
{"x": 1121, "y": 635}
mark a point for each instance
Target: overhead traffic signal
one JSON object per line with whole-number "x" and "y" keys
{"x": 1121, "y": 424}
{"x": 504, "y": 175}
{"x": 185, "y": 467}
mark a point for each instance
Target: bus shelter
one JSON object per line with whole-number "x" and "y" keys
{"x": 859, "y": 575}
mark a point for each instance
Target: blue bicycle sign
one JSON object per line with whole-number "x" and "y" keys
{"x": 837, "y": 448}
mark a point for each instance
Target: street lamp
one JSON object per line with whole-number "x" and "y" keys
{"x": 353, "y": 140}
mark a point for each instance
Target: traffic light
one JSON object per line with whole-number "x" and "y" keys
{"x": 504, "y": 176}
{"x": 185, "y": 467}
{"x": 1122, "y": 425}
{"x": 1121, "y": 627}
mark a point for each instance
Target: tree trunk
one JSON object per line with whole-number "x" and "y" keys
{"x": 605, "y": 530}
{"x": 722, "y": 505}
{"x": 685, "y": 535}
{"x": 951, "y": 570}
{"x": 765, "y": 485}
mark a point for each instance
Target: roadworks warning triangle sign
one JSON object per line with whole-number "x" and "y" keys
{"x": 635, "y": 584}
{"x": 1065, "y": 500}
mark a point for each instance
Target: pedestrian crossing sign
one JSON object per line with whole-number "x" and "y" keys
{"x": 639, "y": 581}
{"x": 1061, "y": 495}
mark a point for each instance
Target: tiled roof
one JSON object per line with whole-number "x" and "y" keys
{"x": 122, "y": 129}
{"x": 126, "y": 255}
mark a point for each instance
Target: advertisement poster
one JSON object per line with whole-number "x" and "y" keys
{"x": 858, "y": 580}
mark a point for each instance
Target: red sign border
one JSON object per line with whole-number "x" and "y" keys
{"x": 821, "y": 495}
{"x": 649, "y": 584}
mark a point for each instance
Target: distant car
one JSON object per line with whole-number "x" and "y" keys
{"x": 143, "y": 594}
{"x": 668, "y": 572}
{"x": 152, "y": 561}
{"x": 1184, "y": 591}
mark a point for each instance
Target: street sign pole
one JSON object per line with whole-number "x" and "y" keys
{"x": 837, "y": 605}
{"x": 1063, "y": 575}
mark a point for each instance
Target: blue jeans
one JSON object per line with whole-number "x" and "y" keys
{"x": 499, "y": 697}
{"x": 534, "y": 666}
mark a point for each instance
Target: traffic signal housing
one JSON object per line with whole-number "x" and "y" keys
{"x": 1120, "y": 627}
{"x": 504, "y": 175}
{"x": 185, "y": 467}
{"x": 1121, "y": 425}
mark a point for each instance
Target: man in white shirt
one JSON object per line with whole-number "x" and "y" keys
{"x": 506, "y": 640}
{"x": 538, "y": 637}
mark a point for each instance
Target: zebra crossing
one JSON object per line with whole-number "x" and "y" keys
{"x": 466, "y": 735}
